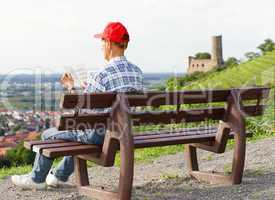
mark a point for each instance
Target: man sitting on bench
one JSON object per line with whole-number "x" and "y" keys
{"x": 118, "y": 75}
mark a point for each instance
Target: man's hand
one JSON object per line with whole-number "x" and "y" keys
{"x": 67, "y": 81}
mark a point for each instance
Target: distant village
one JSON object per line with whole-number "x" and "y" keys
{"x": 17, "y": 126}
{"x": 26, "y": 120}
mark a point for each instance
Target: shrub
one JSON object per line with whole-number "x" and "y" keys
{"x": 203, "y": 55}
{"x": 4, "y": 162}
{"x": 20, "y": 155}
{"x": 231, "y": 61}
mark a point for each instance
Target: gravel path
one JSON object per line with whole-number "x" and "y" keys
{"x": 165, "y": 178}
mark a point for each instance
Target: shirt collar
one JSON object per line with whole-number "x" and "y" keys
{"x": 119, "y": 58}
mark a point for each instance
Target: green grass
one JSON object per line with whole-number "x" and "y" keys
{"x": 227, "y": 168}
{"x": 4, "y": 172}
{"x": 149, "y": 154}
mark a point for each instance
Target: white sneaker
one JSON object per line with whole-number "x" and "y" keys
{"x": 26, "y": 182}
{"x": 52, "y": 181}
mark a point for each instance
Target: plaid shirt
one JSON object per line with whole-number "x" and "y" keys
{"x": 118, "y": 75}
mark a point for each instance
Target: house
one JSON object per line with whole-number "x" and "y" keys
{"x": 9, "y": 142}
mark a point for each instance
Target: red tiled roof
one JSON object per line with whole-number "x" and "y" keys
{"x": 32, "y": 136}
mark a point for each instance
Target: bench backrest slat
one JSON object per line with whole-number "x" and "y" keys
{"x": 98, "y": 120}
{"x": 104, "y": 100}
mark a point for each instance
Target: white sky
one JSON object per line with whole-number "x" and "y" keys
{"x": 54, "y": 34}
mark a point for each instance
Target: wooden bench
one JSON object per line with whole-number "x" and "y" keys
{"x": 236, "y": 104}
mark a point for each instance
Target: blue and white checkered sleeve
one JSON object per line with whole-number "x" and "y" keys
{"x": 95, "y": 83}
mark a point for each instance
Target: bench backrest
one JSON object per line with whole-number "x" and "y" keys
{"x": 155, "y": 99}
{"x": 121, "y": 118}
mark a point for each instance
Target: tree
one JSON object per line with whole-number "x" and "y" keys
{"x": 203, "y": 55}
{"x": 2, "y": 132}
{"x": 267, "y": 46}
{"x": 160, "y": 87}
{"x": 16, "y": 128}
{"x": 231, "y": 61}
{"x": 251, "y": 55}
{"x": 47, "y": 123}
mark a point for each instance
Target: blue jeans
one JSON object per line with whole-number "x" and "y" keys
{"x": 42, "y": 164}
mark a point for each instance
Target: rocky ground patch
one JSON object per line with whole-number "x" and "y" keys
{"x": 165, "y": 179}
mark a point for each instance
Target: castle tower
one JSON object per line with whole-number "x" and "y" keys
{"x": 217, "y": 50}
{"x": 204, "y": 65}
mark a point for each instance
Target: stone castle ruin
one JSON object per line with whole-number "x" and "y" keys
{"x": 204, "y": 65}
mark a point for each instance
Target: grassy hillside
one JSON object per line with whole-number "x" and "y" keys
{"x": 258, "y": 72}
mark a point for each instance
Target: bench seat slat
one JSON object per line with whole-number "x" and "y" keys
{"x": 178, "y": 139}
{"x": 144, "y": 137}
{"x": 71, "y": 150}
{"x": 168, "y": 134}
{"x": 30, "y": 144}
{"x": 40, "y": 148}
{"x": 156, "y": 142}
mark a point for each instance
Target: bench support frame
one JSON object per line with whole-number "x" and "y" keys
{"x": 234, "y": 119}
{"x": 119, "y": 135}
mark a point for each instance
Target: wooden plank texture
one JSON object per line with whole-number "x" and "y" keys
{"x": 104, "y": 100}
{"x": 95, "y": 120}
{"x": 71, "y": 150}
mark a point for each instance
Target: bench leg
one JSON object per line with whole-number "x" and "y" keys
{"x": 125, "y": 179}
{"x": 191, "y": 159}
{"x": 219, "y": 178}
{"x": 238, "y": 159}
{"x": 81, "y": 171}
{"x": 82, "y": 180}
{"x": 126, "y": 173}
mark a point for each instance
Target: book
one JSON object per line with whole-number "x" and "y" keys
{"x": 79, "y": 75}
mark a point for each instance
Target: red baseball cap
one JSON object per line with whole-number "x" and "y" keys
{"x": 115, "y": 32}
